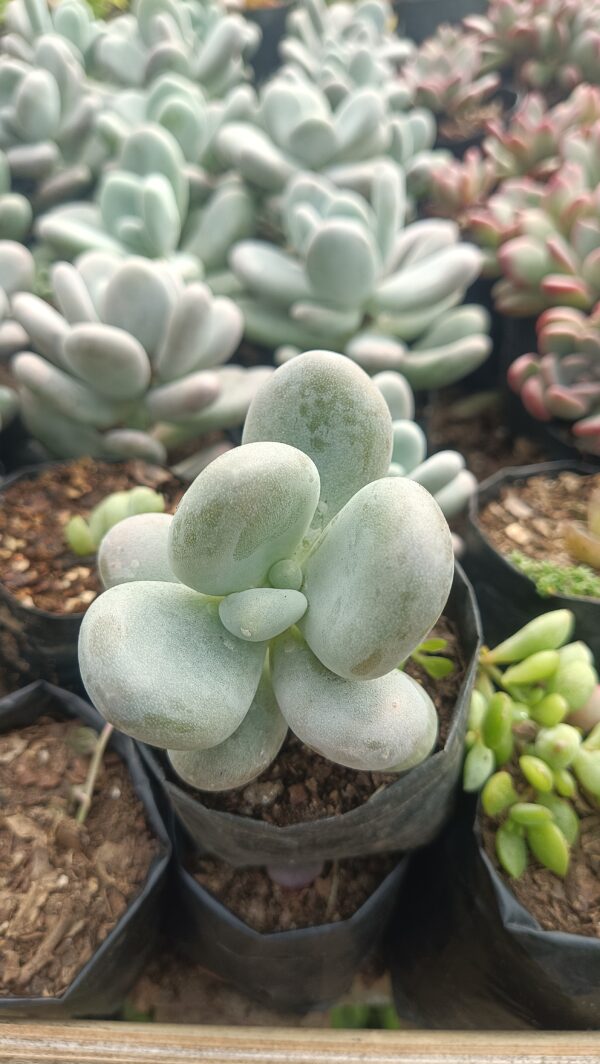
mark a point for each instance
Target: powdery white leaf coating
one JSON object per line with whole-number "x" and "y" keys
{"x": 286, "y": 574}
{"x": 247, "y": 510}
{"x": 159, "y": 665}
{"x": 262, "y": 612}
{"x": 326, "y": 406}
{"x": 108, "y": 359}
{"x": 397, "y": 393}
{"x": 136, "y": 549}
{"x": 242, "y": 757}
{"x": 387, "y": 724}
{"x": 377, "y": 579}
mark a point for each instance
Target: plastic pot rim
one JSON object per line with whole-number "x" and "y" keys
{"x": 157, "y": 867}
{"x": 219, "y": 908}
{"x": 507, "y": 476}
{"x": 501, "y": 887}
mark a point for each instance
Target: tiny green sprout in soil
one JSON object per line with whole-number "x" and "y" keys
{"x": 577, "y": 580}
{"x": 428, "y": 656}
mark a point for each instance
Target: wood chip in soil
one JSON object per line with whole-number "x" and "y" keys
{"x": 36, "y": 565}
{"x": 63, "y": 887}
{"x": 529, "y": 515}
{"x": 486, "y": 440}
{"x": 301, "y": 785}
{"x": 571, "y": 904}
{"x": 265, "y": 906}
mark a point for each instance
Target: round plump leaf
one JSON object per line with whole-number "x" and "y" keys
{"x": 377, "y": 579}
{"x": 247, "y": 510}
{"x": 326, "y": 406}
{"x": 537, "y": 772}
{"x": 388, "y": 724}
{"x": 558, "y": 746}
{"x": 341, "y": 263}
{"x": 242, "y": 757}
{"x": 511, "y": 849}
{"x": 497, "y": 721}
{"x": 286, "y": 574}
{"x": 136, "y": 549}
{"x": 261, "y": 613}
{"x": 498, "y": 793}
{"x": 159, "y": 665}
{"x": 478, "y": 767}
{"x": 108, "y": 359}
{"x": 549, "y": 845}
{"x": 528, "y": 814}
{"x": 138, "y": 299}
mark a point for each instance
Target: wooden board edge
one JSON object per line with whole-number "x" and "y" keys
{"x": 124, "y": 1043}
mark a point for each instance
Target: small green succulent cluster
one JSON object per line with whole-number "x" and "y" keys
{"x": 524, "y": 755}
{"x": 270, "y": 600}
{"x": 84, "y": 537}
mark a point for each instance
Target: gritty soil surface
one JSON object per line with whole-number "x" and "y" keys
{"x": 36, "y": 565}
{"x": 300, "y": 785}
{"x": 471, "y": 122}
{"x": 529, "y": 515}
{"x": 571, "y": 904}
{"x": 335, "y": 895}
{"x": 63, "y": 886}
{"x": 486, "y": 441}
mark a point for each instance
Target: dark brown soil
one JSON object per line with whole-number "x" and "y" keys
{"x": 301, "y": 785}
{"x": 36, "y": 565}
{"x": 571, "y": 904}
{"x": 63, "y": 886}
{"x": 335, "y": 895}
{"x": 485, "y": 440}
{"x": 529, "y": 515}
{"x": 471, "y": 122}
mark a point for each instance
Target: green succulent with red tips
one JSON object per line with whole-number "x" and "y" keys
{"x": 563, "y": 379}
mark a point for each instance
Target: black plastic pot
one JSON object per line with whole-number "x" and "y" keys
{"x": 46, "y": 642}
{"x": 507, "y": 97}
{"x": 472, "y": 957}
{"x": 17, "y": 448}
{"x": 508, "y": 599}
{"x": 408, "y": 814}
{"x": 102, "y": 984}
{"x": 419, "y": 19}
{"x": 271, "y": 22}
{"x": 290, "y": 970}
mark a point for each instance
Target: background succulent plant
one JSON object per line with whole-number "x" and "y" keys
{"x": 195, "y": 38}
{"x": 320, "y": 524}
{"x": 548, "y": 45}
{"x": 153, "y": 204}
{"x": 562, "y": 380}
{"x": 296, "y": 128}
{"x": 17, "y": 274}
{"x": 132, "y": 361}
{"x": 342, "y": 47}
{"x": 85, "y": 536}
{"x": 48, "y": 109}
{"x": 521, "y": 748}
{"x": 352, "y": 276}
{"x": 445, "y": 74}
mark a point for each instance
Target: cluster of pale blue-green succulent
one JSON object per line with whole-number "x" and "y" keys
{"x": 354, "y": 273}
{"x": 141, "y": 138}
{"x": 293, "y": 580}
